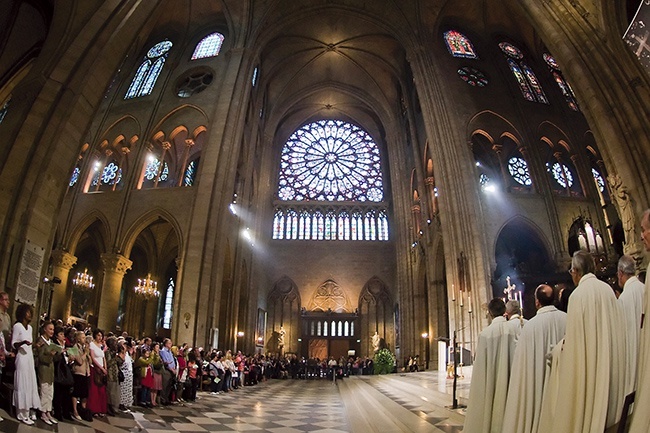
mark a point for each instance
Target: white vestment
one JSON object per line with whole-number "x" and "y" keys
{"x": 529, "y": 369}
{"x": 490, "y": 375}
{"x": 590, "y": 370}
{"x": 641, "y": 415}
{"x": 632, "y": 302}
{"x": 516, "y": 322}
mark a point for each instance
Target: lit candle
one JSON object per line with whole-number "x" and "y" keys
{"x": 453, "y": 293}
{"x": 469, "y": 302}
{"x": 461, "y": 300}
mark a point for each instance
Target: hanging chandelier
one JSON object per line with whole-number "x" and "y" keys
{"x": 83, "y": 281}
{"x": 147, "y": 288}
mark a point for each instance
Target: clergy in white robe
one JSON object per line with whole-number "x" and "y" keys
{"x": 631, "y": 300}
{"x": 591, "y": 365}
{"x": 529, "y": 367}
{"x": 490, "y": 374}
{"x": 515, "y": 319}
{"x": 641, "y": 415}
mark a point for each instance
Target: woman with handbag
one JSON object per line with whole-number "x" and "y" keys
{"x": 80, "y": 358}
{"x": 97, "y": 399}
{"x": 63, "y": 380}
{"x": 126, "y": 384}
{"x": 145, "y": 364}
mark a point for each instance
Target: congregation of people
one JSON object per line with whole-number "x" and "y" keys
{"x": 576, "y": 366}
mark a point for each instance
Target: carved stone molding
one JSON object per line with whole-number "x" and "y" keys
{"x": 115, "y": 263}
{"x": 330, "y": 297}
{"x": 63, "y": 259}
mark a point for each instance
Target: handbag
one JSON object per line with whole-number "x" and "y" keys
{"x": 63, "y": 374}
{"x": 99, "y": 378}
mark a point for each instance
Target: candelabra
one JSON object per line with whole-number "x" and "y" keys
{"x": 147, "y": 288}
{"x": 83, "y": 281}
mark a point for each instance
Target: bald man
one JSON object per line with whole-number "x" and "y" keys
{"x": 529, "y": 367}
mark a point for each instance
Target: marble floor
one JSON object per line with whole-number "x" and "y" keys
{"x": 406, "y": 402}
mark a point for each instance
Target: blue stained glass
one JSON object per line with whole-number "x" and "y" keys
{"x": 209, "y": 46}
{"x": 278, "y": 225}
{"x": 190, "y": 172}
{"x": 526, "y": 78}
{"x": 169, "y": 303}
{"x": 511, "y": 50}
{"x": 521, "y": 80}
{"x": 562, "y": 175}
{"x": 75, "y": 176}
{"x": 519, "y": 171}
{"x": 254, "y": 80}
{"x": 330, "y": 160}
{"x": 110, "y": 173}
{"x": 534, "y": 84}
{"x": 599, "y": 179}
{"x": 148, "y": 72}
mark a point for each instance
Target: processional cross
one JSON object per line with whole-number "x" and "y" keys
{"x": 509, "y": 289}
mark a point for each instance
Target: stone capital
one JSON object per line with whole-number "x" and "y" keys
{"x": 115, "y": 263}
{"x": 63, "y": 259}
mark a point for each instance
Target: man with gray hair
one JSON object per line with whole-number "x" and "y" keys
{"x": 631, "y": 300}
{"x": 586, "y": 385}
{"x": 515, "y": 317}
{"x": 641, "y": 418}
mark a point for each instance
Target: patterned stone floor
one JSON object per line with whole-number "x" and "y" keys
{"x": 413, "y": 402}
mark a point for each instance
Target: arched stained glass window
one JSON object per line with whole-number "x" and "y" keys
{"x": 256, "y": 71}
{"x": 278, "y": 225}
{"x": 518, "y": 169}
{"x": 564, "y": 86}
{"x": 459, "y": 45}
{"x": 526, "y": 78}
{"x": 209, "y": 46}
{"x": 485, "y": 182}
{"x": 4, "y": 110}
{"x": 561, "y": 174}
{"x": 292, "y": 224}
{"x": 169, "y": 304}
{"x": 149, "y": 70}
{"x": 152, "y": 169}
{"x": 330, "y": 160}
{"x": 382, "y": 225}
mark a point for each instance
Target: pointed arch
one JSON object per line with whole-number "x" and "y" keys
{"x": 142, "y": 222}
{"x": 82, "y": 225}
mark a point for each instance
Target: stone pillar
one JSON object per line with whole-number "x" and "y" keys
{"x": 62, "y": 262}
{"x": 115, "y": 266}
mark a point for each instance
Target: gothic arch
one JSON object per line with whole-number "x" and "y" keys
{"x": 376, "y": 309}
{"x": 71, "y": 241}
{"x": 491, "y": 124}
{"x": 128, "y": 240}
{"x": 284, "y": 307}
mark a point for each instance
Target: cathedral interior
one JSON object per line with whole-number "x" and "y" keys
{"x": 296, "y": 176}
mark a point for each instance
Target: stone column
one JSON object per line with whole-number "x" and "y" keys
{"x": 62, "y": 262}
{"x": 115, "y": 266}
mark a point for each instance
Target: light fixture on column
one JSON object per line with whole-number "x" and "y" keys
{"x": 83, "y": 281}
{"x": 147, "y": 288}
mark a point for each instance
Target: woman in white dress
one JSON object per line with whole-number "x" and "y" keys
{"x": 126, "y": 386}
{"x": 25, "y": 395}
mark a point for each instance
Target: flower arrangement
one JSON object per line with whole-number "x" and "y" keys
{"x": 384, "y": 361}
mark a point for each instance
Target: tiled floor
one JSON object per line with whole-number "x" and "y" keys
{"x": 413, "y": 402}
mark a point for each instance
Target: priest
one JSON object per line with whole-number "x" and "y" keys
{"x": 491, "y": 372}
{"x": 641, "y": 416}
{"x": 589, "y": 371}
{"x": 514, "y": 315}
{"x": 631, "y": 300}
{"x": 529, "y": 367}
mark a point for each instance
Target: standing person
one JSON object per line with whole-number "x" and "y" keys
{"x": 126, "y": 386}
{"x": 194, "y": 373}
{"x": 113, "y": 363}
{"x": 529, "y": 368}
{"x": 145, "y": 363}
{"x": 590, "y": 372}
{"x": 25, "y": 395}
{"x": 3, "y": 356}
{"x": 5, "y": 319}
{"x": 631, "y": 300}
{"x": 80, "y": 357}
{"x": 168, "y": 371}
{"x": 491, "y": 373}
{"x": 158, "y": 367}
{"x": 62, "y": 402}
{"x": 47, "y": 353}
{"x": 97, "y": 399}
{"x": 641, "y": 418}
{"x": 181, "y": 361}
{"x": 514, "y": 315}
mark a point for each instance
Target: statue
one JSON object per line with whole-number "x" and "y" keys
{"x": 626, "y": 211}
{"x": 281, "y": 335}
{"x": 376, "y": 340}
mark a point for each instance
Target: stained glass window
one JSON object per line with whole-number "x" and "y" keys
{"x": 564, "y": 86}
{"x": 458, "y": 45}
{"x": 484, "y": 181}
{"x": 190, "y": 173}
{"x": 254, "y": 78}
{"x": 472, "y": 76}
{"x": 149, "y": 70}
{"x": 111, "y": 174}
{"x": 562, "y": 175}
{"x": 75, "y": 176}
{"x": 169, "y": 303}
{"x": 526, "y": 78}
{"x": 598, "y": 178}
{"x": 519, "y": 171}
{"x": 209, "y": 46}
{"x": 152, "y": 168}
{"x": 4, "y": 110}
{"x": 330, "y": 160}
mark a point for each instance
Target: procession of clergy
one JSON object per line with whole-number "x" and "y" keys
{"x": 567, "y": 372}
